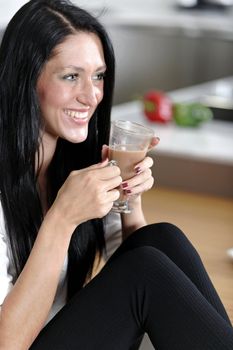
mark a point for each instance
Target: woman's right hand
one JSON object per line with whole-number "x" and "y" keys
{"x": 87, "y": 193}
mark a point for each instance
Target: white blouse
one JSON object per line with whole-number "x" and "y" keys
{"x": 7, "y": 272}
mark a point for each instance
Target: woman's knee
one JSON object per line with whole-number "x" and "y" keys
{"x": 165, "y": 229}
{"x": 166, "y": 237}
{"x": 140, "y": 260}
{"x": 157, "y": 233}
{"x": 167, "y": 233}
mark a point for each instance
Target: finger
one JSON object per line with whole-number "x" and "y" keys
{"x": 104, "y": 152}
{"x": 154, "y": 142}
{"x": 110, "y": 198}
{"x": 112, "y": 183}
{"x": 143, "y": 165}
{"x": 137, "y": 179}
{"x": 114, "y": 195}
{"x": 143, "y": 177}
{"x": 142, "y": 187}
{"x": 103, "y": 171}
{"x": 100, "y": 165}
{"x": 109, "y": 172}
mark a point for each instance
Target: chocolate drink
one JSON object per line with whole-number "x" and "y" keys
{"x": 128, "y": 146}
{"x": 126, "y": 159}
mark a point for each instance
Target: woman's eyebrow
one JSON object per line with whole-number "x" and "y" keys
{"x": 101, "y": 68}
{"x": 81, "y": 69}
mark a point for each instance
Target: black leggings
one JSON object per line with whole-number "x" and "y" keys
{"x": 155, "y": 282}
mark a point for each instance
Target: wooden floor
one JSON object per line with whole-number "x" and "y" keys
{"x": 208, "y": 223}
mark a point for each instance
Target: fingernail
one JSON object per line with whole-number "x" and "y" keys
{"x": 124, "y": 184}
{"x": 157, "y": 138}
{"x": 128, "y": 191}
{"x": 138, "y": 169}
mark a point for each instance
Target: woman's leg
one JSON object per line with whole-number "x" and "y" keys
{"x": 140, "y": 290}
{"x": 172, "y": 242}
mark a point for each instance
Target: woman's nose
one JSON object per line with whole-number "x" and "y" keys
{"x": 88, "y": 94}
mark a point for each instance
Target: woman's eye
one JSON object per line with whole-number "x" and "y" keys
{"x": 99, "y": 76}
{"x": 71, "y": 77}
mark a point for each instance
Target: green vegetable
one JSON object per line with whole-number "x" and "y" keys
{"x": 191, "y": 114}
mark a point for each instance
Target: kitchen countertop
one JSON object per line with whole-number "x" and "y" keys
{"x": 212, "y": 141}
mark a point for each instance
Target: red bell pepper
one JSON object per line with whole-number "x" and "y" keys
{"x": 157, "y": 106}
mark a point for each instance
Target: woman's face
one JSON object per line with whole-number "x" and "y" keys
{"x": 70, "y": 87}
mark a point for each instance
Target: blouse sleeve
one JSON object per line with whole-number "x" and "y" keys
{"x": 113, "y": 233}
{"x": 5, "y": 277}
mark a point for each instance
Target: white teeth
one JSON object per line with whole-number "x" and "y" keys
{"x": 75, "y": 114}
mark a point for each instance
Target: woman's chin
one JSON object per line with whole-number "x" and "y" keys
{"x": 77, "y": 136}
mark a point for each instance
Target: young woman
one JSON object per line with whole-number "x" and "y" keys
{"x": 56, "y": 86}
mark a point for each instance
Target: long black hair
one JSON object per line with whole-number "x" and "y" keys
{"x": 28, "y": 43}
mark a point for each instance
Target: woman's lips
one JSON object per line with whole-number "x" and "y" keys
{"x": 80, "y": 115}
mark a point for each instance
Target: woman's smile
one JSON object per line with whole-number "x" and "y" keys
{"x": 78, "y": 117}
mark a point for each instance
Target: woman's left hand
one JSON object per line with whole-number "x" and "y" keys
{"x": 143, "y": 179}
{"x": 141, "y": 182}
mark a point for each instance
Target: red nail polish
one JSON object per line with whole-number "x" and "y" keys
{"x": 128, "y": 191}
{"x": 138, "y": 169}
{"x": 124, "y": 184}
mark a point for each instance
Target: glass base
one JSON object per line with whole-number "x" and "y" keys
{"x": 121, "y": 207}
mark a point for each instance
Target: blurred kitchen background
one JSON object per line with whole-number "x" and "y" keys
{"x": 183, "y": 48}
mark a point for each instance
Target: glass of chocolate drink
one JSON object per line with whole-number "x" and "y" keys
{"x": 128, "y": 146}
